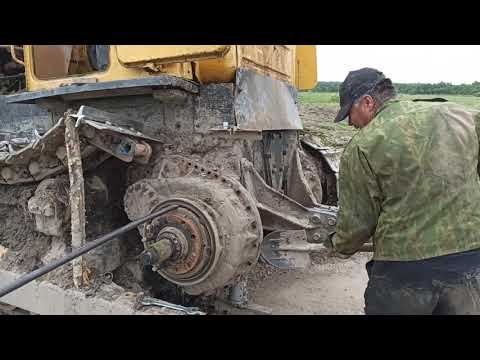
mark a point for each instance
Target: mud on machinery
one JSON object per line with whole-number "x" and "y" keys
{"x": 105, "y": 135}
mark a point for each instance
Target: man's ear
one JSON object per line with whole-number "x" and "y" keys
{"x": 370, "y": 102}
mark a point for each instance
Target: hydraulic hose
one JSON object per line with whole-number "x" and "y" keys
{"x": 25, "y": 279}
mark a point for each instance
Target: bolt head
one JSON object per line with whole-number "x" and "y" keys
{"x": 332, "y": 221}
{"x": 316, "y": 237}
{"x": 316, "y": 219}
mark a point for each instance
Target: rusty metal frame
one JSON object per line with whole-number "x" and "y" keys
{"x": 280, "y": 212}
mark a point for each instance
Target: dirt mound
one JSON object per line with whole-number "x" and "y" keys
{"x": 318, "y": 113}
{"x": 320, "y": 128}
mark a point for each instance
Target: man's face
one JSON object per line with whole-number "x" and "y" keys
{"x": 362, "y": 112}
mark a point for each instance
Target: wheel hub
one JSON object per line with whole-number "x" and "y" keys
{"x": 219, "y": 221}
{"x": 179, "y": 245}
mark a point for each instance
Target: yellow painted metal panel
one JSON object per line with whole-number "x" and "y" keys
{"x": 133, "y": 55}
{"x": 271, "y": 60}
{"x": 221, "y": 70}
{"x": 294, "y": 64}
{"x": 306, "y": 67}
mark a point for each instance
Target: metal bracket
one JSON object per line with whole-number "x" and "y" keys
{"x": 289, "y": 249}
{"x": 279, "y": 212}
{"x": 115, "y": 140}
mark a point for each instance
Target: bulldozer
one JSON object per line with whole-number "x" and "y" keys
{"x": 197, "y": 147}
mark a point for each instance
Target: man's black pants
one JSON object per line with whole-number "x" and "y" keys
{"x": 442, "y": 285}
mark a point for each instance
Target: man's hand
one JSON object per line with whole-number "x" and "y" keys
{"x": 331, "y": 248}
{"x": 328, "y": 243}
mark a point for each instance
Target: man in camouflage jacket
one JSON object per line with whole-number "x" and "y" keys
{"x": 409, "y": 182}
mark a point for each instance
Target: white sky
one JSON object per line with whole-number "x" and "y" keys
{"x": 455, "y": 64}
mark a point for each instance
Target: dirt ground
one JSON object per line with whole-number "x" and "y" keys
{"x": 320, "y": 128}
{"x": 329, "y": 285}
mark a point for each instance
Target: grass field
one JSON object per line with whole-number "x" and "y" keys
{"x": 331, "y": 99}
{"x": 319, "y": 110}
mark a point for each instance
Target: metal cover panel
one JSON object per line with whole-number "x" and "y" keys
{"x": 263, "y": 103}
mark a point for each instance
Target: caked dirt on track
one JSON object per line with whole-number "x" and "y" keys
{"x": 329, "y": 285}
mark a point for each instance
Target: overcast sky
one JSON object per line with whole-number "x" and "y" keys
{"x": 456, "y": 64}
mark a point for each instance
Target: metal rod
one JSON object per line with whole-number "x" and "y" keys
{"x": 80, "y": 251}
{"x": 14, "y": 56}
{"x": 317, "y": 248}
{"x": 77, "y": 199}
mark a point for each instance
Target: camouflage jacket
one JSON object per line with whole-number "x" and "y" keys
{"x": 409, "y": 181}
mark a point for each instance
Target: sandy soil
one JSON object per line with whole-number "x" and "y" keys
{"x": 328, "y": 286}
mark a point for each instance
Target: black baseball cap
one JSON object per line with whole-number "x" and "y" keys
{"x": 356, "y": 84}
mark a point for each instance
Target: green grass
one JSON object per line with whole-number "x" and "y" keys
{"x": 332, "y": 99}
{"x": 466, "y": 100}
{"x": 329, "y": 134}
{"x": 326, "y": 99}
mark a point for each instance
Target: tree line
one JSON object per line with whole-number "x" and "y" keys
{"x": 440, "y": 88}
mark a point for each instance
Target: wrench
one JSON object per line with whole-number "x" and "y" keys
{"x": 148, "y": 301}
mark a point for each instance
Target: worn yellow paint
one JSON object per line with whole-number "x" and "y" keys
{"x": 305, "y": 67}
{"x": 137, "y": 55}
{"x": 220, "y": 70}
{"x": 294, "y": 64}
{"x": 270, "y": 60}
